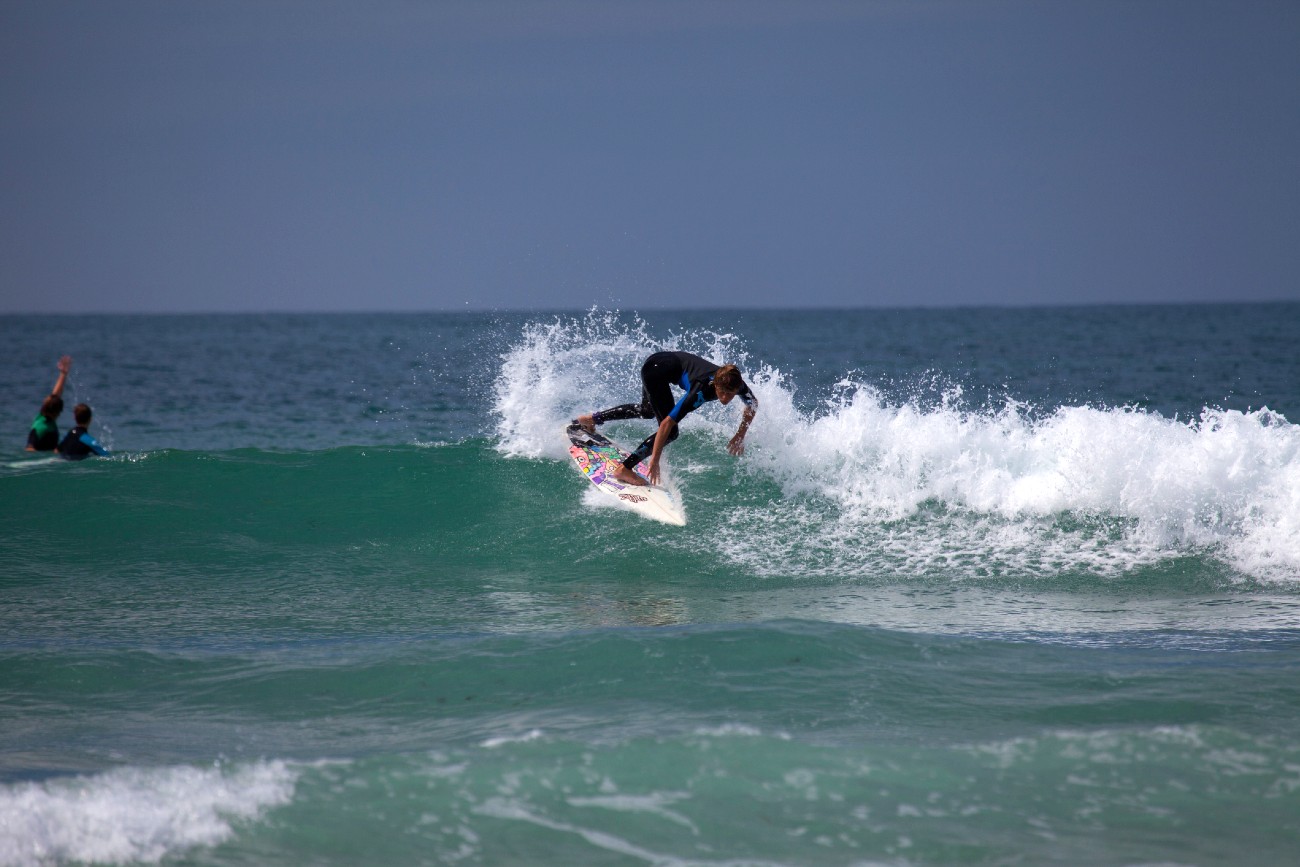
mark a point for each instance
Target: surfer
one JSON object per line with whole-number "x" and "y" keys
{"x": 44, "y": 435}
{"x": 79, "y": 444}
{"x": 701, "y": 379}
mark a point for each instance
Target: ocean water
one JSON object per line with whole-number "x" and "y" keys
{"x": 988, "y": 587}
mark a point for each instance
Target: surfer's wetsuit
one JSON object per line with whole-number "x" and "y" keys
{"x": 44, "y": 435}
{"x": 79, "y": 445}
{"x": 664, "y": 369}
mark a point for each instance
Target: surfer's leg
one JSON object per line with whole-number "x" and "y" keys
{"x": 644, "y": 409}
{"x": 656, "y": 396}
{"x": 657, "y": 373}
{"x": 590, "y": 422}
{"x": 643, "y": 451}
{"x": 622, "y": 411}
{"x": 640, "y": 453}
{"x": 656, "y": 402}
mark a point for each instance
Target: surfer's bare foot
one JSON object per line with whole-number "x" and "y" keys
{"x": 586, "y": 423}
{"x": 627, "y": 477}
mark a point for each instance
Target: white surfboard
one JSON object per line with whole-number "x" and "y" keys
{"x": 597, "y": 458}
{"x": 32, "y": 463}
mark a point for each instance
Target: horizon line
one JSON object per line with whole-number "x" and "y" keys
{"x": 828, "y": 308}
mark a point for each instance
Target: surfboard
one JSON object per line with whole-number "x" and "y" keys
{"x": 596, "y": 457}
{"x": 32, "y": 463}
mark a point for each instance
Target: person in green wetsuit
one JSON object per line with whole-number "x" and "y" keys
{"x": 44, "y": 435}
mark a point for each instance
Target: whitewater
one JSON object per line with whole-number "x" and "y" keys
{"x": 1034, "y": 490}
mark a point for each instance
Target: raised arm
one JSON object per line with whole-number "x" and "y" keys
{"x": 65, "y": 364}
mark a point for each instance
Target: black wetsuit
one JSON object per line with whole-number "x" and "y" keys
{"x": 79, "y": 445}
{"x": 44, "y": 435}
{"x": 687, "y": 371}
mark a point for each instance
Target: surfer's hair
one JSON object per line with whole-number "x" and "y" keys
{"x": 82, "y": 414}
{"x": 52, "y": 406}
{"x": 728, "y": 379}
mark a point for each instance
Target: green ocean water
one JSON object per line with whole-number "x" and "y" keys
{"x": 988, "y": 587}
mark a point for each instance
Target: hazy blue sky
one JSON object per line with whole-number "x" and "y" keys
{"x": 192, "y": 156}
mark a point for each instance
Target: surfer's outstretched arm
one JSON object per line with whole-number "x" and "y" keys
{"x": 737, "y": 444}
{"x": 662, "y": 437}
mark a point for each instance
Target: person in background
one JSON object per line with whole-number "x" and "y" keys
{"x": 79, "y": 444}
{"x": 44, "y": 435}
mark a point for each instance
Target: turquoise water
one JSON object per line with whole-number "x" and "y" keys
{"x": 988, "y": 587}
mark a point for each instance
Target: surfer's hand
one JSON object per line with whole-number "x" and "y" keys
{"x": 653, "y": 472}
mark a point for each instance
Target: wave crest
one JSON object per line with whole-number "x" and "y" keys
{"x": 135, "y": 814}
{"x": 922, "y": 485}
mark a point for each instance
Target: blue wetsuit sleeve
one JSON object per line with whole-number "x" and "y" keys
{"x": 93, "y": 444}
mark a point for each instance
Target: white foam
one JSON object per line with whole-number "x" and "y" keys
{"x": 729, "y": 730}
{"x": 525, "y": 737}
{"x": 563, "y": 368}
{"x": 135, "y": 814}
{"x": 1136, "y": 486}
{"x": 511, "y": 810}
{"x": 877, "y": 486}
{"x": 656, "y": 803}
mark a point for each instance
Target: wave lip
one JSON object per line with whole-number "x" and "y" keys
{"x": 1155, "y": 487}
{"x": 929, "y": 484}
{"x": 135, "y": 814}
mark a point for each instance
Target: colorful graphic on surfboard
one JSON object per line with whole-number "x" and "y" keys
{"x": 597, "y": 457}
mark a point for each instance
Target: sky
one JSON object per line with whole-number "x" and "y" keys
{"x": 500, "y": 154}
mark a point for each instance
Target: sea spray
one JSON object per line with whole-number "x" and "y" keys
{"x": 561, "y": 368}
{"x": 1013, "y": 489}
